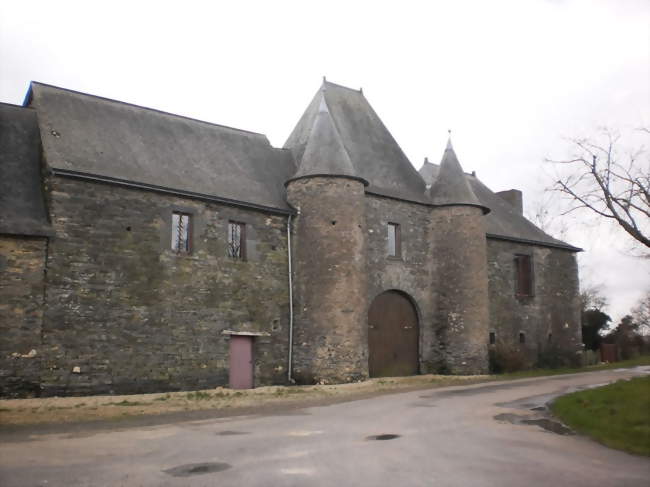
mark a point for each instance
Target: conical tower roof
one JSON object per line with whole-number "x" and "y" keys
{"x": 375, "y": 155}
{"x": 451, "y": 187}
{"x": 324, "y": 153}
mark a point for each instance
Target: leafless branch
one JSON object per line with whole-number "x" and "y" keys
{"x": 599, "y": 179}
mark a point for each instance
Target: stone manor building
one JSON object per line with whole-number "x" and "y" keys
{"x": 143, "y": 251}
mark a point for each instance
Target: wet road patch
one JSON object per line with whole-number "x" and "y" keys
{"x": 190, "y": 469}
{"x": 383, "y": 437}
{"x": 546, "y": 423}
{"x": 231, "y": 433}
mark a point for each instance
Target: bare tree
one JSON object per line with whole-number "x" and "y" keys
{"x": 592, "y": 298}
{"x": 641, "y": 313}
{"x": 602, "y": 179}
{"x": 542, "y": 212}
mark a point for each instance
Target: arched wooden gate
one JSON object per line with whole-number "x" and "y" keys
{"x": 393, "y": 336}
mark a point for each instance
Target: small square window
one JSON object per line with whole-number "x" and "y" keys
{"x": 394, "y": 240}
{"x": 493, "y": 338}
{"x": 181, "y": 232}
{"x": 237, "y": 240}
{"x": 524, "y": 275}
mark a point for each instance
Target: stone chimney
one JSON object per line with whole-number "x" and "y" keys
{"x": 515, "y": 198}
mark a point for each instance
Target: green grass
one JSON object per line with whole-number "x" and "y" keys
{"x": 643, "y": 360}
{"x": 198, "y": 396}
{"x": 617, "y": 415}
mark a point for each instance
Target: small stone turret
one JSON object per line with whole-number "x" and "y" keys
{"x": 461, "y": 316}
{"x": 330, "y": 332}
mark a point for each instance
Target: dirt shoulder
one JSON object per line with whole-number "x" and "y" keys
{"x": 221, "y": 401}
{"x": 214, "y": 402}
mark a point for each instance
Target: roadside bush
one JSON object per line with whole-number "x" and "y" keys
{"x": 590, "y": 357}
{"x": 505, "y": 358}
{"x": 556, "y": 358}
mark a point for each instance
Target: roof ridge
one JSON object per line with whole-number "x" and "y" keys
{"x": 6, "y": 103}
{"x": 337, "y": 130}
{"x": 359, "y": 91}
{"x": 162, "y": 112}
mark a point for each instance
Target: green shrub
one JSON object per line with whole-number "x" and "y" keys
{"x": 507, "y": 358}
{"x": 555, "y": 358}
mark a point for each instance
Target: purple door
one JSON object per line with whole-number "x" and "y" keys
{"x": 241, "y": 362}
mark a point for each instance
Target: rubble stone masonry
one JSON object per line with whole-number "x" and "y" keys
{"x": 126, "y": 314}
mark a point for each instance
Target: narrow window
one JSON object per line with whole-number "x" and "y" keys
{"x": 550, "y": 338}
{"x": 522, "y": 337}
{"x": 493, "y": 338}
{"x": 237, "y": 240}
{"x": 394, "y": 240}
{"x": 524, "y": 275}
{"x": 181, "y": 232}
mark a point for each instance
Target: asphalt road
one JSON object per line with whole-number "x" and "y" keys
{"x": 443, "y": 437}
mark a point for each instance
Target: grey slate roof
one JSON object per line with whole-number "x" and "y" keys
{"x": 339, "y": 134}
{"x": 375, "y": 155}
{"x": 94, "y": 135}
{"x": 451, "y": 187}
{"x": 324, "y": 153}
{"x": 22, "y": 206}
{"x": 503, "y": 221}
{"x": 429, "y": 172}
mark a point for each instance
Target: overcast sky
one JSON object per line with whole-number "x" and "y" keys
{"x": 512, "y": 79}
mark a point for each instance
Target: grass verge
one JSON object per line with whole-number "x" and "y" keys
{"x": 616, "y": 415}
{"x": 523, "y": 374}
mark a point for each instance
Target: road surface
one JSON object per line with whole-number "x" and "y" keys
{"x": 494, "y": 434}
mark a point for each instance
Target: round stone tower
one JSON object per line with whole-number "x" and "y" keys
{"x": 461, "y": 315}
{"x": 329, "y": 252}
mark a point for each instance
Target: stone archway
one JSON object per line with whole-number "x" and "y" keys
{"x": 393, "y": 336}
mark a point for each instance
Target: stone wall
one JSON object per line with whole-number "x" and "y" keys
{"x": 550, "y": 319}
{"x": 22, "y": 290}
{"x": 461, "y": 288}
{"x": 411, "y": 272}
{"x": 330, "y": 334}
{"x": 120, "y": 312}
{"x": 126, "y": 314}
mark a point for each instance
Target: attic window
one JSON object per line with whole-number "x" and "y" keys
{"x": 394, "y": 240}
{"x": 237, "y": 240}
{"x": 181, "y": 232}
{"x": 524, "y": 275}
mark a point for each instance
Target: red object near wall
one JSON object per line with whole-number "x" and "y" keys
{"x": 241, "y": 362}
{"x": 608, "y": 352}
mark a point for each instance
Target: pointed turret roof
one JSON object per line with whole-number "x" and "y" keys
{"x": 503, "y": 221}
{"x": 324, "y": 153}
{"x": 375, "y": 155}
{"x": 451, "y": 187}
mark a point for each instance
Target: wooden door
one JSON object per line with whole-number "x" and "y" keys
{"x": 393, "y": 336}
{"x": 241, "y": 362}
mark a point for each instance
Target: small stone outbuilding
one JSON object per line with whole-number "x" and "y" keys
{"x": 143, "y": 251}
